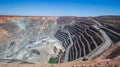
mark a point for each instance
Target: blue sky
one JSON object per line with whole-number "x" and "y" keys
{"x": 60, "y": 7}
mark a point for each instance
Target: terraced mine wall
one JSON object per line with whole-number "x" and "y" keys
{"x": 37, "y": 39}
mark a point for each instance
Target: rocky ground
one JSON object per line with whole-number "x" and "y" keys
{"x": 20, "y": 36}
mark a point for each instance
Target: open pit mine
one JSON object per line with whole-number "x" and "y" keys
{"x": 60, "y": 40}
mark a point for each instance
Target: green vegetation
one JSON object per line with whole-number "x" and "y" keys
{"x": 52, "y": 60}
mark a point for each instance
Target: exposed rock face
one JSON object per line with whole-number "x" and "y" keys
{"x": 84, "y": 41}
{"x": 37, "y": 39}
{"x": 29, "y": 39}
